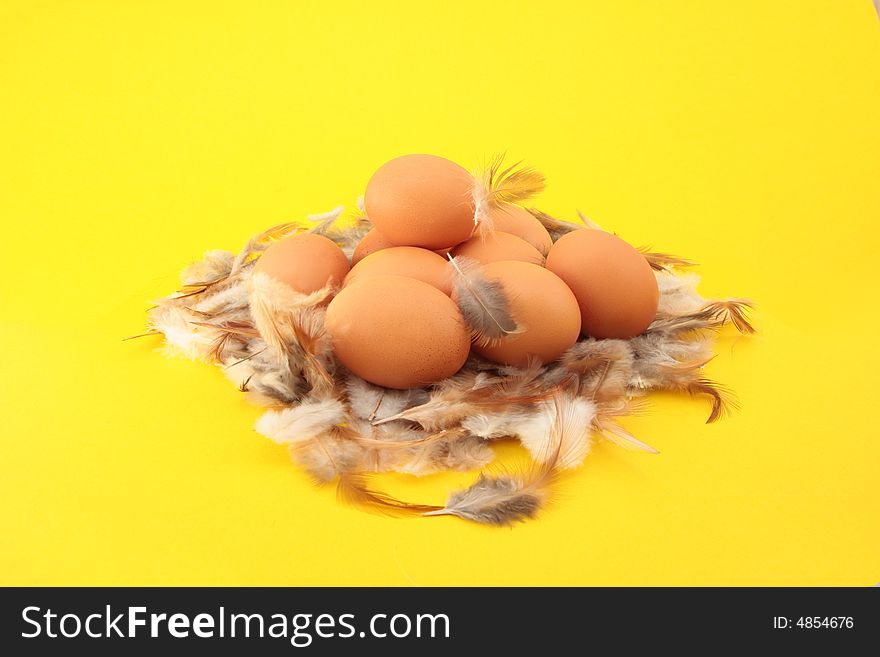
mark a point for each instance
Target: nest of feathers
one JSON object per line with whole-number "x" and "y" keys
{"x": 272, "y": 345}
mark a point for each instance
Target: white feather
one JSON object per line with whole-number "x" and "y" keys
{"x": 181, "y": 336}
{"x": 678, "y": 293}
{"x": 297, "y": 424}
{"x": 566, "y": 420}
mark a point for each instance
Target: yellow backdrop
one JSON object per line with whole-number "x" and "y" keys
{"x": 136, "y": 135}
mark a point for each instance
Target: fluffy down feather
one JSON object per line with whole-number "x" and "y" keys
{"x": 302, "y": 422}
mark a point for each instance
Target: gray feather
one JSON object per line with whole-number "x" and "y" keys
{"x": 483, "y": 302}
{"x": 496, "y": 501}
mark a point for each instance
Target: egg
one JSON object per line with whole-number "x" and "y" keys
{"x": 421, "y": 200}
{"x": 522, "y": 223}
{"x": 409, "y": 261}
{"x": 370, "y": 243}
{"x": 306, "y": 262}
{"x": 615, "y": 287}
{"x": 397, "y": 332}
{"x": 498, "y": 246}
{"x": 543, "y": 307}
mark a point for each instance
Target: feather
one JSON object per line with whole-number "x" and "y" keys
{"x": 603, "y": 368}
{"x": 496, "y": 185}
{"x": 457, "y": 452}
{"x": 483, "y": 302}
{"x": 354, "y": 489}
{"x": 292, "y": 326}
{"x": 664, "y": 261}
{"x": 556, "y": 227}
{"x": 734, "y": 311}
{"x": 559, "y": 430}
{"x": 666, "y": 366}
{"x": 267, "y": 382}
{"x": 261, "y": 241}
{"x": 325, "y": 220}
{"x": 214, "y": 266}
{"x": 330, "y": 455}
{"x": 723, "y": 399}
{"x": 498, "y": 500}
{"x": 712, "y": 315}
{"x": 450, "y": 401}
{"x": 312, "y": 347}
{"x": 677, "y": 324}
{"x": 678, "y": 293}
{"x": 469, "y": 393}
{"x": 493, "y": 425}
{"x": 512, "y": 184}
{"x": 371, "y": 402}
{"x": 301, "y": 422}
{"x": 182, "y": 336}
{"x": 621, "y": 437}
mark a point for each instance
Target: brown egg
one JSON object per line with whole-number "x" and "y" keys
{"x": 544, "y": 308}
{"x": 498, "y": 246}
{"x": 421, "y": 200}
{"x": 397, "y": 332}
{"x": 522, "y": 223}
{"x": 614, "y": 284}
{"x": 306, "y": 262}
{"x": 409, "y": 261}
{"x": 370, "y": 243}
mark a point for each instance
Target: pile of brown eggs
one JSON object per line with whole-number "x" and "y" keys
{"x": 395, "y": 320}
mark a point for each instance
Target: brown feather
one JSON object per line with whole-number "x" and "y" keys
{"x": 723, "y": 399}
{"x": 734, "y": 311}
{"x": 260, "y": 241}
{"x": 664, "y": 261}
{"x": 354, "y": 489}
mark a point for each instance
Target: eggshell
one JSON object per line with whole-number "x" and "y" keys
{"x": 615, "y": 287}
{"x": 421, "y": 200}
{"x": 409, "y": 261}
{"x": 498, "y": 246}
{"x": 370, "y": 243}
{"x": 544, "y": 308}
{"x": 397, "y": 332}
{"x": 306, "y": 262}
{"x": 522, "y": 223}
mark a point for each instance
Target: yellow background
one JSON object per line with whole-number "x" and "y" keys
{"x": 135, "y": 135}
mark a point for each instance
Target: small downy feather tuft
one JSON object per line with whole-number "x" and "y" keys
{"x": 330, "y": 455}
{"x": 498, "y": 500}
{"x": 735, "y": 311}
{"x": 559, "y": 431}
{"x": 664, "y": 261}
{"x": 301, "y": 422}
{"x": 374, "y": 403}
{"x": 277, "y": 312}
{"x": 214, "y": 266}
{"x": 483, "y": 303}
{"x": 260, "y": 242}
{"x": 496, "y": 185}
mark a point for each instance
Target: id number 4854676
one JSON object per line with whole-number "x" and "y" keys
{"x": 813, "y": 622}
